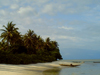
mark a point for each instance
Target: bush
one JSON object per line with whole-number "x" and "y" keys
{"x": 9, "y": 58}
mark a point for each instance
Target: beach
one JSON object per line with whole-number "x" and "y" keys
{"x": 32, "y": 69}
{"x": 53, "y": 68}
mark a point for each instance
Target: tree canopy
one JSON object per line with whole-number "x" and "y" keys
{"x": 12, "y": 42}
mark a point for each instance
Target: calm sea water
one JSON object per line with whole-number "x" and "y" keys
{"x": 87, "y": 68}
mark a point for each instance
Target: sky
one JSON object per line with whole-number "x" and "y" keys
{"x": 74, "y": 24}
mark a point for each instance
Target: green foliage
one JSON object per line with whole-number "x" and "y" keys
{"x": 24, "y": 49}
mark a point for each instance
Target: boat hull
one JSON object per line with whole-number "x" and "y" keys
{"x": 71, "y": 65}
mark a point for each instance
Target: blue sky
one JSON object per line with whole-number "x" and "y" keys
{"x": 74, "y": 24}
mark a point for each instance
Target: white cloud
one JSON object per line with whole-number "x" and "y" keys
{"x": 48, "y": 9}
{"x": 27, "y": 11}
{"x": 1, "y": 26}
{"x": 74, "y": 39}
{"x": 39, "y": 2}
{"x": 3, "y": 12}
{"x": 14, "y": 6}
{"x": 67, "y": 28}
{"x": 69, "y": 7}
{"x": 93, "y": 13}
{"x": 67, "y": 37}
{"x": 63, "y": 37}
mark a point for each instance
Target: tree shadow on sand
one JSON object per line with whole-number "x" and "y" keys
{"x": 54, "y": 71}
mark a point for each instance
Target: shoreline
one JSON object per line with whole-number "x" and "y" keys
{"x": 31, "y": 69}
{"x": 43, "y": 68}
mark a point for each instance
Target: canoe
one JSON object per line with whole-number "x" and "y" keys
{"x": 71, "y": 65}
{"x": 96, "y": 62}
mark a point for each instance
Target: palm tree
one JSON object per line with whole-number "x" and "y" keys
{"x": 8, "y": 33}
{"x": 3, "y": 46}
{"x": 55, "y": 44}
{"x": 15, "y": 41}
{"x": 47, "y": 44}
{"x": 29, "y": 41}
{"x": 55, "y": 50}
{"x": 48, "y": 40}
{"x": 40, "y": 43}
{"x": 28, "y": 38}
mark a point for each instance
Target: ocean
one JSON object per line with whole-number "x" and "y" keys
{"x": 89, "y": 67}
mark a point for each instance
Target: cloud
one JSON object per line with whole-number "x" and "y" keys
{"x": 48, "y": 9}
{"x": 74, "y": 39}
{"x": 74, "y": 24}
{"x": 27, "y": 11}
{"x": 53, "y": 8}
{"x": 66, "y": 7}
{"x": 14, "y": 6}
{"x": 3, "y": 12}
{"x": 93, "y": 14}
{"x": 67, "y": 28}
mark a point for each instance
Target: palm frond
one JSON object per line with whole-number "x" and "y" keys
{"x": 5, "y": 27}
{"x": 3, "y": 30}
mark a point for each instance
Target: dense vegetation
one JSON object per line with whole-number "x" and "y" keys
{"x": 24, "y": 49}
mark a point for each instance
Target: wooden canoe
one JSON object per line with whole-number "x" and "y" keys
{"x": 71, "y": 65}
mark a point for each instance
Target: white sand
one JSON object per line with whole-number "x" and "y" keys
{"x": 32, "y": 69}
